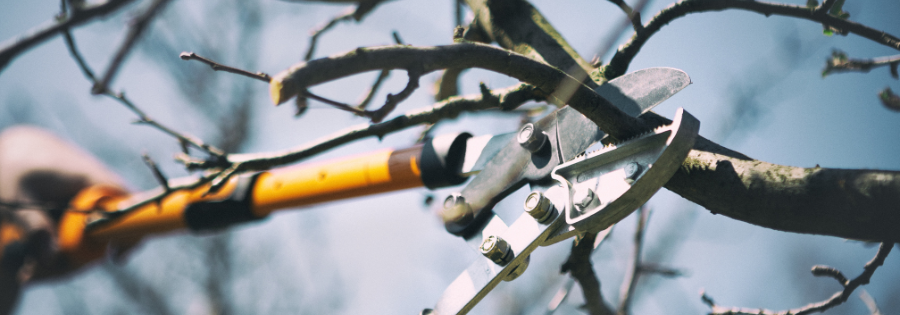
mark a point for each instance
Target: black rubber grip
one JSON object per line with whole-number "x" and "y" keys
{"x": 214, "y": 215}
{"x": 441, "y": 162}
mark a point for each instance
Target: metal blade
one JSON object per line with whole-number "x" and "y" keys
{"x": 634, "y": 93}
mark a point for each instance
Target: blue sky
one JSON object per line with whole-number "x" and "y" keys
{"x": 757, "y": 88}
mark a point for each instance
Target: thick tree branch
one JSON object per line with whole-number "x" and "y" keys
{"x": 622, "y": 58}
{"x": 14, "y": 47}
{"x": 837, "y": 299}
{"x": 546, "y": 78}
{"x": 856, "y": 204}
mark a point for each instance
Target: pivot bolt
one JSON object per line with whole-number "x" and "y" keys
{"x": 456, "y": 209}
{"x": 497, "y": 250}
{"x": 583, "y": 198}
{"x": 632, "y": 170}
{"x": 531, "y": 137}
{"x": 538, "y": 206}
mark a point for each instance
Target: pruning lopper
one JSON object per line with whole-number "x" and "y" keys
{"x": 573, "y": 192}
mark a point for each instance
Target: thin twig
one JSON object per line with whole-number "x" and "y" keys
{"x": 394, "y": 99}
{"x": 220, "y": 67}
{"x": 157, "y": 173}
{"x": 634, "y": 15}
{"x": 563, "y": 293}
{"x": 609, "y": 41}
{"x": 839, "y": 62}
{"x": 14, "y": 47}
{"x": 627, "y": 52}
{"x": 837, "y": 299}
{"x": 362, "y": 8}
{"x": 138, "y": 25}
{"x": 579, "y": 266}
{"x": 142, "y": 117}
{"x": 448, "y": 109}
{"x": 626, "y": 292}
{"x": 370, "y": 94}
{"x": 239, "y": 163}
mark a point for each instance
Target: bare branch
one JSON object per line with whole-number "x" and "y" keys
{"x": 142, "y": 117}
{"x": 220, "y": 67}
{"x": 835, "y": 300}
{"x": 362, "y": 8}
{"x": 370, "y": 93}
{"x": 138, "y": 24}
{"x": 626, "y": 293}
{"x": 889, "y": 99}
{"x": 239, "y": 163}
{"x": 157, "y": 173}
{"x": 314, "y": 37}
{"x": 14, "y": 47}
{"x": 839, "y": 62}
{"x": 627, "y": 52}
{"x": 634, "y": 15}
{"x": 579, "y": 266}
{"x": 394, "y": 99}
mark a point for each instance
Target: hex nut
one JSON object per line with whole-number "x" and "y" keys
{"x": 531, "y": 137}
{"x": 538, "y": 206}
{"x": 496, "y": 249}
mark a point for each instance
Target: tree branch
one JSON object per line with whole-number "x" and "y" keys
{"x": 138, "y": 24}
{"x": 837, "y": 299}
{"x": 143, "y": 118}
{"x": 839, "y": 62}
{"x": 627, "y": 52}
{"x": 626, "y": 293}
{"x": 579, "y": 266}
{"x": 14, "y": 47}
{"x": 220, "y": 67}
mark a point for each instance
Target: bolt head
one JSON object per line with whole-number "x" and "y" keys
{"x": 456, "y": 210}
{"x": 496, "y": 249}
{"x": 583, "y": 198}
{"x": 632, "y": 170}
{"x": 538, "y": 206}
{"x": 531, "y": 137}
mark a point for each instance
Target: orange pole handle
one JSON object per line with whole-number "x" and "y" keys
{"x": 302, "y": 185}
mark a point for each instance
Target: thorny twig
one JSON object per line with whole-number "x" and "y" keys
{"x": 835, "y": 300}
{"x": 138, "y": 25}
{"x": 220, "y": 67}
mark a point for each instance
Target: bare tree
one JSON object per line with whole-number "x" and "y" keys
{"x": 508, "y": 37}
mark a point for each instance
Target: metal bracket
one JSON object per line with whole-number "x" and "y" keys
{"x": 607, "y": 185}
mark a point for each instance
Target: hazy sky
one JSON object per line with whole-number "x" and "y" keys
{"x": 757, "y": 88}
